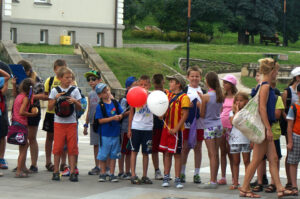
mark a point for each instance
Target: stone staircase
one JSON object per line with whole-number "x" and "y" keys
{"x": 43, "y": 65}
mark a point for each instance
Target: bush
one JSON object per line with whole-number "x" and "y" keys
{"x": 170, "y": 36}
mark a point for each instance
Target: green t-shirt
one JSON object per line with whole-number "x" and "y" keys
{"x": 276, "y": 126}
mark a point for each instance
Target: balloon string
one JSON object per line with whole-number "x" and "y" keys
{"x": 131, "y": 144}
{"x": 169, "y": 129}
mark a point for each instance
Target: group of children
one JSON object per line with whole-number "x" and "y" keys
{"x": 117, "y": 131}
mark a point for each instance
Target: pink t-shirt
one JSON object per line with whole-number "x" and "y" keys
{"x": 17, "y": 105}
{"x": 227, "y": 107}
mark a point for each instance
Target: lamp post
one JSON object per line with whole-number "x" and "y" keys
{"x": 188, "y": 36}
{"x": 285, "y": 41}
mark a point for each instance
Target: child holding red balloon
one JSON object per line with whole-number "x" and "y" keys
{"x": 140, "y": 128}
{"x": 171, "y": 139}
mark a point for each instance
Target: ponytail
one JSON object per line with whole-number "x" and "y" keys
{"x": 213, "y": 82}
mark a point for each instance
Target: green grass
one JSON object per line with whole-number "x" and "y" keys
{"x": 44, "y": 48}
{"x": 250, "y": 82}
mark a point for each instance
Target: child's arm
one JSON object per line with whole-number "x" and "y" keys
{"x": 51, "y": 104}
{"x": 290, "y": 134}
{"x": 204, "y": 99}
{"x": 4, "y": 88}
{"x": 185, "y": 114}
{"x": 131, "y": 113}
{"x": 5, "y": 75}
{"x": 77, "y": 103}
{"x": 110, "y": 119}
{"x": 86, "y": 125}
{"x": 23, "y": 111}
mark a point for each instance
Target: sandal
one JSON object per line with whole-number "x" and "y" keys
{"x": 284, "y": 192}
{"x": 135, "y": 180}
{"x": 50, "y": 167}
{"x": 234, "y": 187}
{"x": 258, "y": 188}
{"x": 295, "y": 191}
{"x": 270, "y": 189}
{"x": 248, "y": 194}
{"x": 146, "y": 180}
{"x": 288, "y": 186}
{"x": 222, "y": 181}
{"x": 21, "y": 175}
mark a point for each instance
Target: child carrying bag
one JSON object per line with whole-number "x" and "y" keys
{"x": 17, "y": 134}
{"x": 249, "y": 122}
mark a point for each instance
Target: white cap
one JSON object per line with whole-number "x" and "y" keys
{"x": 295, "y": 72}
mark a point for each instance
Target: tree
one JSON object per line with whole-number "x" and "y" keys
{"x": 250, "y": 17}
{"x": 134, "y": 11}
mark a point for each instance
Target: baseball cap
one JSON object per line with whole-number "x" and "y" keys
{"x": 129, "y": 81}
{"x": 92, "y": 73}
{"x": 99, "y": 88}
{"x": 295, "y": 72}
{"x": 230, "y": 78}
{"x": 2, "y": 81}
{"x": 177, "y": 77}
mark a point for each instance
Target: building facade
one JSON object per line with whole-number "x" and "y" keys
{"x": 96, "y": 22}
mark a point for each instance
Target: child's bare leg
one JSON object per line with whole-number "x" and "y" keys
{"x": 72, "y": 162}
{"x": 127, "y": 163}
{"x": 102, "y": 166}
{"x": 133, "y": 162}
{"x": 56, "y": 163}
{"x": 177, "y": 158}
{"x": 293, "y": 172}
{"x": 121, "y": 163}
{"x": 21, "y": 158}
{"x": 236, "y": 168}
{"x": 155, "y": 160}
{"x": 167, "y": 163}
{"x": 145, "y": 164}
{"x": 96, "y": 149}
{"x": 112, "y": 166}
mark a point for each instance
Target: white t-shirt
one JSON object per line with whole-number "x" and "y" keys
{"x": 75, "y": 94}
{"x": 236, "y": 136}
{"x": 192, "y": 93}
{"x": 142, "y": 119}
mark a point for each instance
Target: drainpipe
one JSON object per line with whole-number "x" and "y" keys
{"x": 116, "y": 23}
{"x": 1, "y": 7}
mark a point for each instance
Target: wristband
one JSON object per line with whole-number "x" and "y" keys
{"x": 86, "y": 126}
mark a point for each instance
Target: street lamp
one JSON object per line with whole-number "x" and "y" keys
{"x": 188, "y": 36}
{"x": 285, "y": 41}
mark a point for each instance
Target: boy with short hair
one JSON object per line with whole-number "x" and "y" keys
{"x": 61, "y": 123}
{"x": 158, "y": 124}
{"x": 93, "y": 78}
{"x": 108, "y": 114}
{"x": 171, "y": 139}
{"x": 48, "y": 124}
{"x": 140, "y": 132}
{"x": 125, "y": 152}
{"x": 293, "y": 146}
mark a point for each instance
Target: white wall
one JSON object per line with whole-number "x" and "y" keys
{"x": 84, "y": 11}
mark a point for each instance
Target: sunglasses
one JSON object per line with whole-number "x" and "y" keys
{"x": 91, "y": 79}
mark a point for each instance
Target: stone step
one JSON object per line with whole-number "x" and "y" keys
{"x": 50, "y": 58}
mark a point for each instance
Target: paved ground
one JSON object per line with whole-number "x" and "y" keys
{"x": 40, "y": 185}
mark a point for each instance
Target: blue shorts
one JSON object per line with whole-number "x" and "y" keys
{"x": 111, "y": 148}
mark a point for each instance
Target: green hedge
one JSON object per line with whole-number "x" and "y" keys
{"x": 170, "y": 36}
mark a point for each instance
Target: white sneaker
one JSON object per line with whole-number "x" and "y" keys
{"x": 178, "y": 183}
{"x": 158, "y": 175}
{"x": 165, "y": 181}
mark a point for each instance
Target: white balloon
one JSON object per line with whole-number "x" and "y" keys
{"x": 158, "y": 103}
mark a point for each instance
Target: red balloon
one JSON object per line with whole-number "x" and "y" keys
{"x": 137, "y": 96}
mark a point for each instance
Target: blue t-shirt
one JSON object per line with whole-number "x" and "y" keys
{"x": 113, "y": 128}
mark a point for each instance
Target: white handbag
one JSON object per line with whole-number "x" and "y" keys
{"x": 249, "y": 122}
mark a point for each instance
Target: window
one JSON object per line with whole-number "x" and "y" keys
{"x": 72, "y": 37}
{"x": 13, "y": 35}
{"x": 100, "y": 39}
{"x": 44, "y": 36}
{"x": 41, "y": 1}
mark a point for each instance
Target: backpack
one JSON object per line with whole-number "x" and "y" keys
{"x": 50, "y": 83}
{"x": 83, "y": 103}
{"x": 282, "y": 120}
{"x": 62, "y": 106}
{"x": 2, "y": 103}
{"x": 104, "y": 113}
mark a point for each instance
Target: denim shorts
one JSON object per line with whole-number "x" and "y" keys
{"x": 111, "y": 148}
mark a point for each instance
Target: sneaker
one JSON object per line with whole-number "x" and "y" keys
{"x": 120, "y": 175}
{"x": 94, "y": 171}
{"x": 1, "y": 174}
{"x": 127, "y": 176}
{"x": 3, "y": 164}
{"x": 182, "y": 178}
{"x": 33, "y": 169}
{"x": 197, "y": 179}
{"x": 73, "y": 177}
{"x": 76, "y": 171}
{"x": 178, "y": 183}
{"x": 63, "y": 167}
{"x": 66, "y": 172}
{"x": 146, "y": 180}
{"x": 102, "y": 178}
{"x": 113, "y": 178}
{"x": 158, "y": 175}
{"x": 135, "y": 180}
{"x": 208, "y": 186}
{"x": 56, "y": 176}
{"x": 166, "y": 182}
